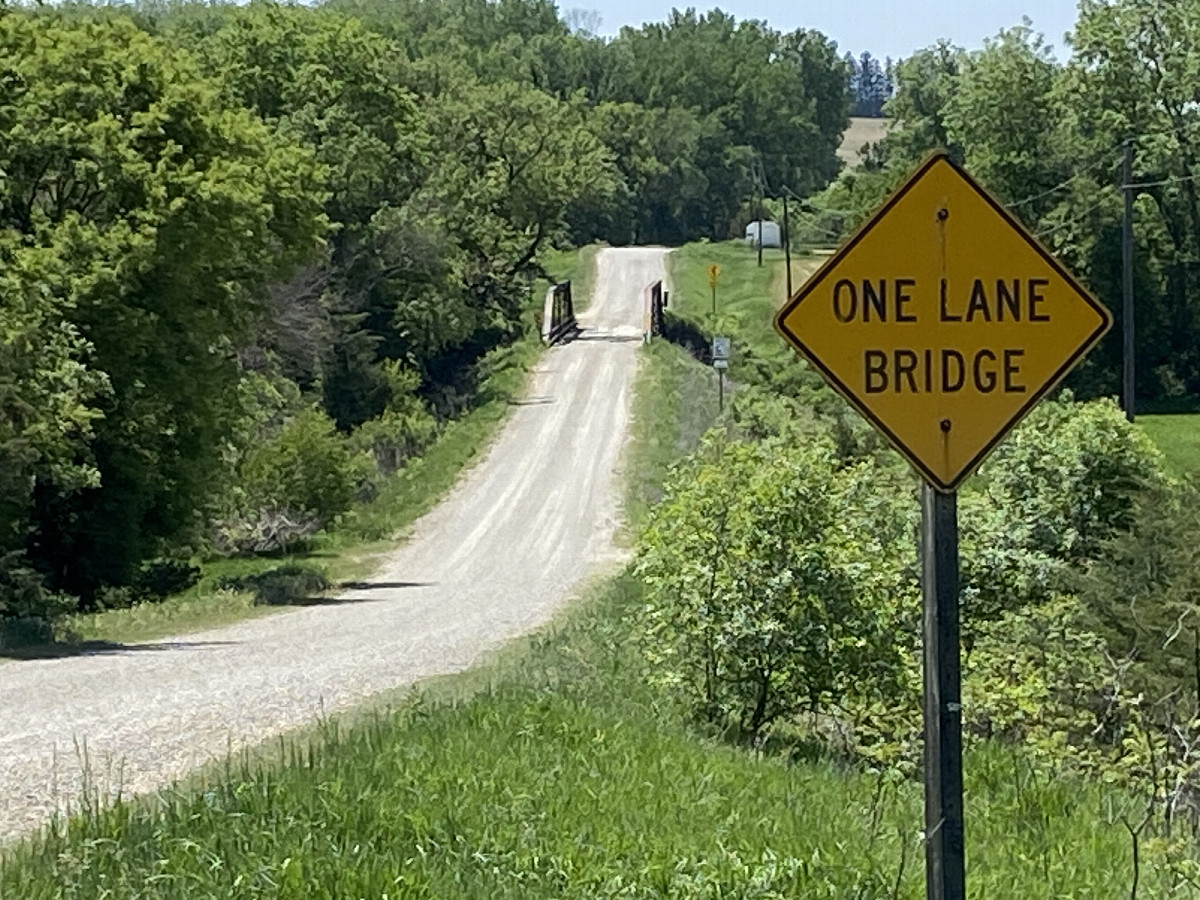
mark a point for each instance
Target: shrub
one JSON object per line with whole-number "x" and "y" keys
{"x": 998, "y": 570}
{"x": 404, "y": 429}
{"x": 763, "y": 589}
{"x": 24, "y": 595}
{"x": 308, "y": 470}
{"x": 1142, "y": 593}
{"x": 1039, "y": 676}
{"x": 1068, "y": 477}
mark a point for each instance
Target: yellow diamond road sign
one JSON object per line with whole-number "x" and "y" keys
{"x": 943, "y": 321}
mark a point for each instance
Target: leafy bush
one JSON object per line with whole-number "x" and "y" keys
{"x": 763, "y": 584}
{"x": 1142, "y": 593}
{"x": 1068, "y": 477}
{"x": 404, "y": 429}
{"x": 1040, "y": 677}
{"x": 998, "y": 570}
{"x": 308, "y": 470}
{"x": 23, "y": 592}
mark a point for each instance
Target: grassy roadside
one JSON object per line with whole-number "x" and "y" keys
{"x": 746, "y": 294}
{"x": 1178, "y": 436}
{"x": 342, "y": 553}
{"x": 556, "y": 771}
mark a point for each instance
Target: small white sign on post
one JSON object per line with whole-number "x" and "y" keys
{"x": 721, "y": 347}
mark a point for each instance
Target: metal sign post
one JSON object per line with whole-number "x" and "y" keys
{"x": 944, "y": 858}
{"x": 714, "y": 275}
{"x": 943, "y": 321}
{"x": 722, "y": 348}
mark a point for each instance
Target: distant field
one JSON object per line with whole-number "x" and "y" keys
{"x": 1178, "y": 436}
{"x": 861, "y": 131}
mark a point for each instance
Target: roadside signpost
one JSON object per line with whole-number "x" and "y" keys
{"x": 721, "y": 351}
{"x": 943, "y": 321}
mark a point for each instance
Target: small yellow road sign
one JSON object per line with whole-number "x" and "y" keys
{"x": 714, "y": 273}
{"x": 943, "y": 321}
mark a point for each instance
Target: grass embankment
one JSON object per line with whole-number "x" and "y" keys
{"x": 555, "y": 771}
{"x": 747, "y": 298}
{"x": 743, "y": 290}
{"x": 349, "y": 549}
{"x": 567, "y": 777}
{"x": 1178, "y": 436}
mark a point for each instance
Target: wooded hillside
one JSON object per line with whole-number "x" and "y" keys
{"x": 251, "y": 256}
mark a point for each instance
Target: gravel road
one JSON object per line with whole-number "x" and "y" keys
{"x": 498, "y": 558}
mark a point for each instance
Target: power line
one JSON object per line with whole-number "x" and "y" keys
{"x": 1074, "y": 220}
{"x": 1097, "y": 161}
{"x": 1174, "y": 179}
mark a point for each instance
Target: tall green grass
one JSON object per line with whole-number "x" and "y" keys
{"x": 1178, "y": 436}
{"x": 561, "y": 774}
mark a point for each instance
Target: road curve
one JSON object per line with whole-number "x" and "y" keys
{"x": 498, "y": 558}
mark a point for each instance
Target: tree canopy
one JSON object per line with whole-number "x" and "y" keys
{"x": 242, "y": 242}
{"x": 1046, "y": 136}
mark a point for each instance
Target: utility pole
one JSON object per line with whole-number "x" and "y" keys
{"x": 1127, "y": 325}
{"x": 760, "y": 218}
{"x": 787, "y": 244}
{"x": 758, "y": 183}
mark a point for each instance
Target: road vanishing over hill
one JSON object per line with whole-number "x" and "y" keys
{"x": 499, "y": 557}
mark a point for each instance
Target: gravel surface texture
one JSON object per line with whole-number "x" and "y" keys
{"x": 499, "y": 557}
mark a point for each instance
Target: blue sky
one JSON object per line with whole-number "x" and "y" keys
{"x": 885, "y": 27}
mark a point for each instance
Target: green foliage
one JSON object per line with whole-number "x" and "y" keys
{"x": 1143, "y": 591}
{"x": 307, "y": 470}
{"x": 404, "y": 429}
{"x": 23, "y": 592}
{"x": 160, "y": 215}
{"x": 1070, "y": 476}
{"x": 1004, "y": 115}
{"x": 1039, "y": 677}
{"x": 1001, "y": 566}
{"x": 925, "y": 84}
{"x": 762, "y": 587}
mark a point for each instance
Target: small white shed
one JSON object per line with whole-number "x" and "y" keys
{"x": 770, "y": 234}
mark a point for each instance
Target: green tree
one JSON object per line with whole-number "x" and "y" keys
{"x": 1004, "y": 115}
{"x": 925, "y": 82}
{"x": 760, "y": 603}
{"x": 1130, "y": 79}
{"x": 322, "y": 80}
{"x": 160, "y": 215}
{"x": 514, "y": 160}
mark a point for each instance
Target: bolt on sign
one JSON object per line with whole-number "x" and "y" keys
{"x": 943, "y": 321}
